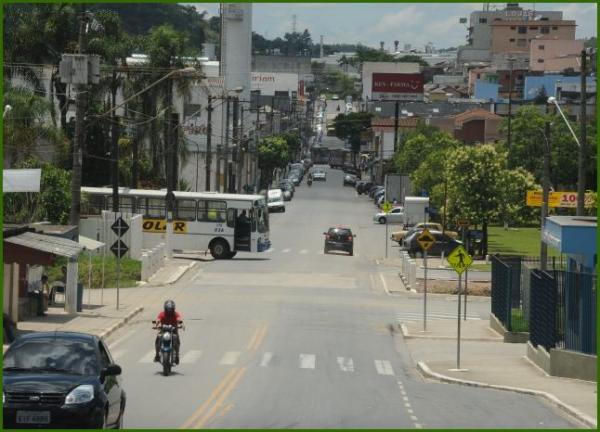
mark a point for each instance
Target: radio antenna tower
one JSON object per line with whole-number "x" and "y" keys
{"x": 294, "y": 17}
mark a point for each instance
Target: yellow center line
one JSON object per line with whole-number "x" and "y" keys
{"x": 213, "y": 395}
{"x": 254, "y": 336}
{"x": 259, "y": 338}
{"x": 221, "y": 399}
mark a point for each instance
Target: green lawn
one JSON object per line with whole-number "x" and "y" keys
{"x": 518, "y": 322}
{"x": 130, "y": 271}
{"x": 516, "y": 241}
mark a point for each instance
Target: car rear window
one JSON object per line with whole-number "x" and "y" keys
{"x": 340, "y": 231}
{"x": 74, "y": 356}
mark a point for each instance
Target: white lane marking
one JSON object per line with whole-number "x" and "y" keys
{"x": 346, "y": 364}
{"x": 384, "y": 284}
{"x": 384, "y": 367}
{"x": 407, "y": 405}
{"x": 269, "y": 250}
{"x": 266, "y": 359}
{"x": 191, "y": 356}
{"x": 409, "y": 410}
{"x": 307, "y": 361}
{"x": 285, "y": 250}
{"x": 148, "y": 357}
{"x": 303, "y": 251}
{"x": 230, "y": 358}
{"x": 414, "y": 418}
{"x": 197, "y": 276}
{"x": 405, "y": 398}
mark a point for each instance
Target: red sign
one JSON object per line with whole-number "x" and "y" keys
{"x": 398, "y": 83}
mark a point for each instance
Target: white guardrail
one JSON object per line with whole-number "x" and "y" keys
{"x": 408, "y": 270}
{"x": 152, "y": 260}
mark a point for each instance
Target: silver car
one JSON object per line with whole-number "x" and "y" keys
{"x": 396, "y": 215}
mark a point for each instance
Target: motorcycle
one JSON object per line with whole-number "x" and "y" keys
{"x": 309, "y": 182}
{"x": 166, "y": 346}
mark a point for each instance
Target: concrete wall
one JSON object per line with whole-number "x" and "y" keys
{"x": 285, "y": 64}
{"x": 564, "y": 363}
{"x": 98, "y": 229}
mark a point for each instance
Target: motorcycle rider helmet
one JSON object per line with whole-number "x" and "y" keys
{"x": 169, "y": 306}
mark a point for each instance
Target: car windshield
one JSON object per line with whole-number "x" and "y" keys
{"x": 52, "y": 355}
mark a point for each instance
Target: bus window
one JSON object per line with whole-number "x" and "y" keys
{"x": 185, "y": 210}
{"x": 125, "y": 203}
{"x": 154, "y": 207}
{"x": 92, "y": 204}
{"x": 231, "y": 215}
{"x": 216, "y": 211}
{"x": 253, "y": 219}
{"x": 262, "y": 220}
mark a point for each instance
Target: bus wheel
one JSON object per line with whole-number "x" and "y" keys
{"x": 219, "y": 249}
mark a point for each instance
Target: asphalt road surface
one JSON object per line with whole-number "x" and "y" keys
{"x": 293, "y": 338}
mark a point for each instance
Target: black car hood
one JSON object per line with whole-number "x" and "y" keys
{"x": 44, "y": 382}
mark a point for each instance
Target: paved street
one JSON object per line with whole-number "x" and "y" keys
{"x": 293, "y": 338}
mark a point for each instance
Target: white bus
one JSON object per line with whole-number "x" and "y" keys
{"x": 221, "y": 223}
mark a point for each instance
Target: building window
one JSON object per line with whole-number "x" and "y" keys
{"x": 513, "y": 27}
{"x": 478, "y": 76}
{"x": 542, "y": 47}
{"x": 545, "y": 30}
{"x": 540, "y": 60}
{"x": 511, "y": 40}
{"x": 522, "y": 29}
{"x": 544, "y": 19}
{"x": 497, "y": 19}
{"x": 482, "y": 20}
{"x": 554, "y": 28}
{"x": 521, "y": 42}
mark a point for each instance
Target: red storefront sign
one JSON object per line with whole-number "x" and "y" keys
{"x": 397, "y": 83}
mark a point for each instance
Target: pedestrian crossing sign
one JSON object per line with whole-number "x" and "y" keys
{"x": 425, "y": 240}
{"x": 459, "y": 259}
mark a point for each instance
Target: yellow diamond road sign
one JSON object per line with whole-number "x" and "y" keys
{"x": 425, "y": 240}
{"x": 459, "y": 259}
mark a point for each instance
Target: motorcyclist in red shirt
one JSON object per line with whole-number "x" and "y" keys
{"x": 168, "y": 316}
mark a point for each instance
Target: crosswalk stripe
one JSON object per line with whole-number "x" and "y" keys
{"x": 346, "y": 364}
{"x": 303, "y": 251}
{"x": 191, "y": 356}
{"x": 285, "y": 250}
{"x": 148, "y": 357}
{"x": 384, "y": 367}
{"x": 230, "y": 358}
{"x": 307, "y": 361}
{"x": 269, "y": 250}
{"x": 266, "y": 359}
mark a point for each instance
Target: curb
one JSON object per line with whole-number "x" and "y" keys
{"x": 181, "y": 271}
{"x": 106, "y": 333}
{"x": 583, "y": 418}
{"x": 406, "y": 334}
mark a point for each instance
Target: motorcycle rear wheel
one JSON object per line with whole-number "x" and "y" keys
{"x": 166, "y": 363}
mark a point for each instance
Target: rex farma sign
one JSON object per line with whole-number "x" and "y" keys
{"x": 397, "y": 83}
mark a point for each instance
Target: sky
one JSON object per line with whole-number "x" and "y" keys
{"x": 368, "y": 23}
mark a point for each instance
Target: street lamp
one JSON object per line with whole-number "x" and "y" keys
{"x": 545, "y": 192}
{"x": 580, "y": 170}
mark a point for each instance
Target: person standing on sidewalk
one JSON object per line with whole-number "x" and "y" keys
{"x": 45, "y": 292}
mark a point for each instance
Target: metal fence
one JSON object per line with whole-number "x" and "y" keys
{"x": 511, "y": 288}
{"x": 563, "y": 310}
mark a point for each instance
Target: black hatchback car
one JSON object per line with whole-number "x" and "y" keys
{"x": 339, "y": 238}
{"x": 61, "y": 380}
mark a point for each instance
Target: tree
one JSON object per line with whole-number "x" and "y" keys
{"x": 350, "y": 127}
{"x": 366, "y": 54}
{"x": 474, "y": 192}
{"x": 515, "y": 184}
{"x": 293, "y": 143}
{"x": 26, "y": 126}
{"x": 541, "y": 98}
{"x": 51, "y": 204}
{"x": 418, "y": 147}
{"x": 412, "y": 59}
{"x": 272, "y": 153}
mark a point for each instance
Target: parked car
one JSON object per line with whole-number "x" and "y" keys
{"x": 294, "y": 178}
{"x": 443, "y": 242}
{"x": 399, "y": 236}
{"x": 363, "y": 186}
{"x": 350, "y": 169}
{"x": 378, "y": 194}
{"x": 275, "y": 200}
{"x": 319, "y": 175}
{"x": 396, "y": 215}
{"x": 287, "y": 186}
{"x": 350, "y": 179}
{"x": 61, "y": 380}
{"x": 339, "y": 238}
{"x": 375, "y": 189}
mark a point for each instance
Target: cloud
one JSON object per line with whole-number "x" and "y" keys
{"x": 410, "y": 16}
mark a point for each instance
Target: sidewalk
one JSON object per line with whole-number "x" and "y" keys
{"x": 100, "y": 315}
{"x": 486, "y": 361}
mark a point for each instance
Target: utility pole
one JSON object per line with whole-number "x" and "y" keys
{"x": 272, "y": 111}
{"x": 115, "y": 149}
{"x": 236, "y": 146}
{"x": 78, "y": 138}
{"x": 582, "y": 139}
{"x": 226, "y": 163}
{"x": 241, "y": 152}
{"x": 396, "y": 120}
{"x": 545, "y": 194}
{"x": 510, "y": 81}
{"x": 208, "y": 143}
{"x": 169, "y": 169}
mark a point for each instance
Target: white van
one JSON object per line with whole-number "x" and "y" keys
{"x": 275, "y": 200}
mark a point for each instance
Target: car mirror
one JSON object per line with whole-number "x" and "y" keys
{"x": 113, "y": 369}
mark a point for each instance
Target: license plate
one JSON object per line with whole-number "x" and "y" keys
{"x": 33, "y": 417}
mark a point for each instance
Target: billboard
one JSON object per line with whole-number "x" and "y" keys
{"x": 399, "y": 86}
